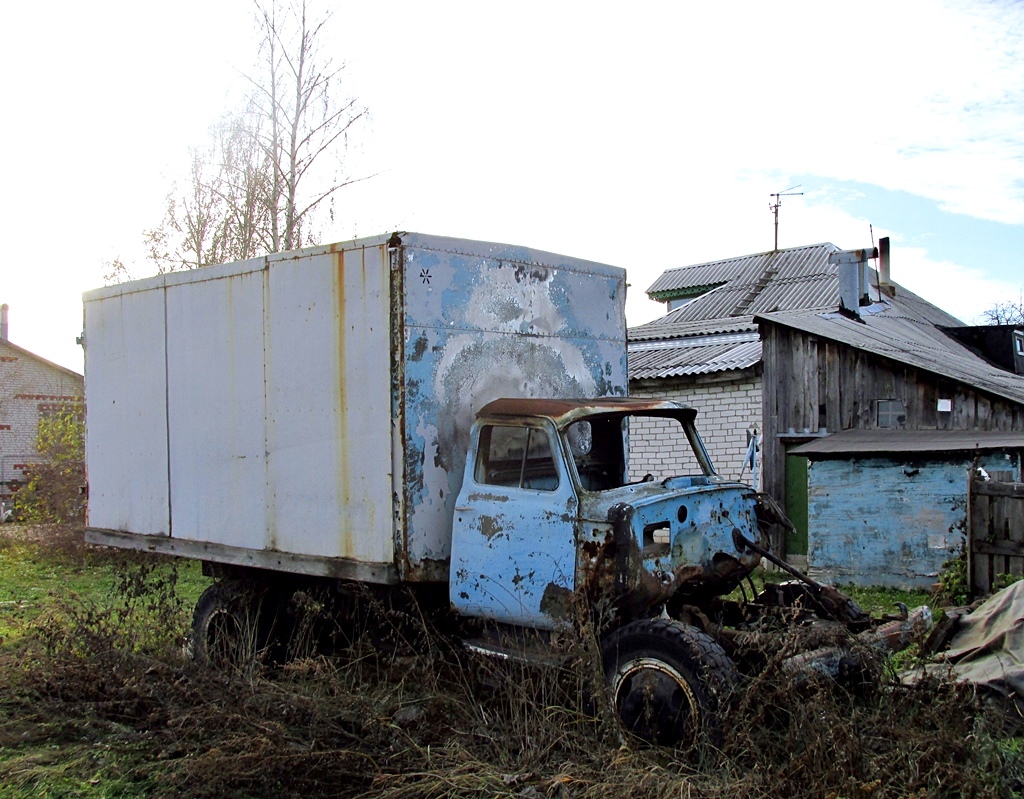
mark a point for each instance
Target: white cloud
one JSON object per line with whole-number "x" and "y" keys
{"x": 966, "y": 292}
{"x": 647, "y": 136}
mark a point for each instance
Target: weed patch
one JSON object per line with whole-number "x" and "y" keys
{"x": 97, "y": 698}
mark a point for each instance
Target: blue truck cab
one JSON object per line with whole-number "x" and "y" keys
{"x": 550, "y": 511}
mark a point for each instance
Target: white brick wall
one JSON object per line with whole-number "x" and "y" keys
{"x": 27, "y": 384}
{"x": 726, "y": 410}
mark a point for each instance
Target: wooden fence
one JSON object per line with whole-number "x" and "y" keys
{"x": 995, "y": 523}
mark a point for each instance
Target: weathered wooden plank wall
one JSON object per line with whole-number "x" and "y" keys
{"x": 810, "y": 382}
{"x": 888, "y": 520}
{"x": 996, "y": 532}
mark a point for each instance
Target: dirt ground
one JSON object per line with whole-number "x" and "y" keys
{"x": 98, "y": 698}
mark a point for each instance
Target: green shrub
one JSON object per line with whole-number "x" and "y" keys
{"x": 1001, "y": 581}
{"x": 954, "y": 582}
{"x": 54, "y": 491}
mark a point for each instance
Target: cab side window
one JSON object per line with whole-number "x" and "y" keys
{"x": 516, "y": 457}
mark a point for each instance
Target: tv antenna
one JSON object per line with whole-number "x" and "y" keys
{"x": 774, "y": 207}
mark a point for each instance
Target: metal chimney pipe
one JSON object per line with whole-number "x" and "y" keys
{"x": 3, "y": 321}
{"x": 884, "y": 277}
{"x": 852, "y": 268}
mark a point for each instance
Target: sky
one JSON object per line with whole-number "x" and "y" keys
{"x": 647, "y": 135}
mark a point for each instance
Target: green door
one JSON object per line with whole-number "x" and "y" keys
{"x": 796, "y": 503}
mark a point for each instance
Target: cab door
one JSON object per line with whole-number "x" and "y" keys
{"x": 513, "y": 535}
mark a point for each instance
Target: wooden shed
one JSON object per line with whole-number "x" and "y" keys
{"x": 879, "y": 362}
{"x": 888, "y": 507}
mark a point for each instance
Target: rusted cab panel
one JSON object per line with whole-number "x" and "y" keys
{"x": 309, "y": 411}
{"x": 549, "y": 511}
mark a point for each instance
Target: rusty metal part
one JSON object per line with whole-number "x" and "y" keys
{"x": 944, "y": 630}
{"x": 621, "y": 516}
{"x": 742, "y": 542}
{"x": 565, "y": 411}
{"x": 770, "y": 512}
{"x": 900, "y": 633}
{"x": 837, "y": 662}
{"x": 829, "y": 600}
{"x": 635, "y": 589}
{"x": 695, "y": 617}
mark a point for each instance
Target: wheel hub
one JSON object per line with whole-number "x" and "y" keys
{"x": 655, "y": 701}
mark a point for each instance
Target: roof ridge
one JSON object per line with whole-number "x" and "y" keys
{"x": 40, "y": 358}
{"x": 751, "y": 255}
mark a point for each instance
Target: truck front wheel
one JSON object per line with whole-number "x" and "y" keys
{"x": 668, "y": 681}
{"x": 226, "y": 625}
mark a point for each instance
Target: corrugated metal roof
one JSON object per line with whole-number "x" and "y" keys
{"x": 746, "y": 273}
{"x": 799, "y": 277}
{"x": 799, "y": 288}
{"x": 904, "y": 329}
{"x": 669, "y": 327}
{"x": 693, "y": 356}
{"x": 883, "y": 442}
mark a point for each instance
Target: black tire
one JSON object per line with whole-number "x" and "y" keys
{"x": 668, "y": 682}
{"x": 228, "y": 626}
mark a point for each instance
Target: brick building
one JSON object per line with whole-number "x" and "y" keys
{"x": 852, "y": 387}
{"x": 729, "y": 406}
{"x": 30, "y": 388}
{"x": 706, "y": 350}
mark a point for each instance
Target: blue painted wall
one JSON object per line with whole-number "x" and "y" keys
{"x": 886, "y": 521}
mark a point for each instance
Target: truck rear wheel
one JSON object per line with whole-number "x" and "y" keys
{"x": 668, "y": 682}
{"x": 227, "y": 628}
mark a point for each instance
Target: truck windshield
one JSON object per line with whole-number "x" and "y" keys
{"x": 610, "y": 452}
{"x": 664, "y": 447}
{"x": 598, "y": 452}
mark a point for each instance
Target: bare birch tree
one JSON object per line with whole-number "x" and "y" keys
{"x": 306, "y": 117}
{"x": 1010, "y": 312}
{"x": 269, "y": 167}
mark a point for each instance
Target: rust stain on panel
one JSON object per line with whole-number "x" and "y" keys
{"x": 271, "y": 496}
{"x": 392, "y": 254}
{"x": 341, "y": 445}
{"x": 556, "y": 601}
{"x": 490, "y": 527}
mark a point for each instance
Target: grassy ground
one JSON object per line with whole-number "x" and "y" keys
{"x": 876, "y": 601}
{"x": 98, "y": 700}
{"x": 43, "y": 569}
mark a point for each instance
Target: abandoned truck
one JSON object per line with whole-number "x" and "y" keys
{"x": 389, "y": 416}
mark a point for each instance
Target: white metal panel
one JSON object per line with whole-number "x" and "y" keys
{"x": 125, "y": 389}
{"x": 285, "y": 439}
{"x": 216, "y": 409}
{"x": 329, "y": 404}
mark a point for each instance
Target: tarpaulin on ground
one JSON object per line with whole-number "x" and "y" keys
{"x": 987, "y": 648}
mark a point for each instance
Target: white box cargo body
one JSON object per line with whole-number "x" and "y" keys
{"x": 309, "y": 411}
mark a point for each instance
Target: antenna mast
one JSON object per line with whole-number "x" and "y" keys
{"x": 774, "y": 207}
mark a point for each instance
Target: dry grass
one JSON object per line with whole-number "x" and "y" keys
{"x": 95, "y": 704}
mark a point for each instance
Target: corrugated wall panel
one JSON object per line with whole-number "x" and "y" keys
{"x": 329, "y": 405}
{"x": 126, "y": 401}
{"x": 215, "y": 409}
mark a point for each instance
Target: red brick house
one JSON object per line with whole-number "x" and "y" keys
{"x": 30, "y": 388}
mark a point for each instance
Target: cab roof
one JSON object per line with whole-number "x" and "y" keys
{"x": 565, "y": 411}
